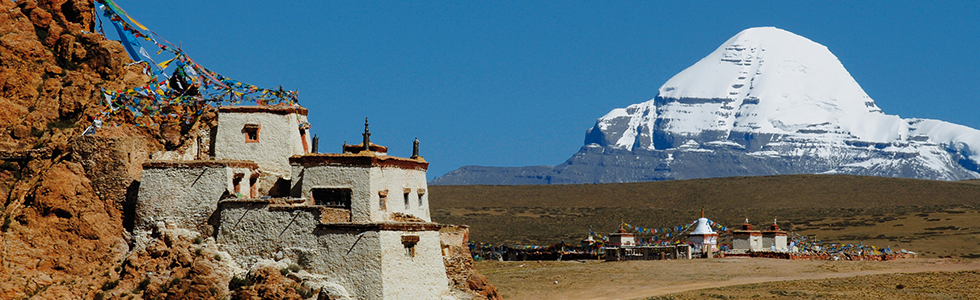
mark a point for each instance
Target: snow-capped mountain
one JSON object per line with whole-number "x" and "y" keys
{"x": 766, "y": 102}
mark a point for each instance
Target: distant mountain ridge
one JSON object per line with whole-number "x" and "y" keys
{"x": 765, "y": 102}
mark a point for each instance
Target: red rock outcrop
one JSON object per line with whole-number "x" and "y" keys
{"x": 65, "y": 196}
{"x": 176, "y": 265}
{"x": 269, "y": 283}
{"x": 459, "y": 268}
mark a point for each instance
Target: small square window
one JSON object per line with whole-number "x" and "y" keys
{"x": 410, "y": 250}
{"x": 409, "y": 242}
{"x": 251, "y": 133}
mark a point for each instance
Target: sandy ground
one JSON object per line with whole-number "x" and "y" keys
{"x": 643, "y": 279}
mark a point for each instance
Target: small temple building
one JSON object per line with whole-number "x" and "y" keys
{"x": 746, "y": 239}
{"x": 622, "y": 239}
{"x": 774, "y": 239}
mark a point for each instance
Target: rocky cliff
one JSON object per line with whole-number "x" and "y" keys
{"x": 64, "y": 232}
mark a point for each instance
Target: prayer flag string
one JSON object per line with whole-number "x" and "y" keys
{"x": 190, "y": 91}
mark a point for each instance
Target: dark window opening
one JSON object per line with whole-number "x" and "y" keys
{"x": 251, "y": 133}
{"x": 383, "y": 199}
{"x": 302, "y": 136}
{"x": 335, "y": 197}
{"x": 407, "y": 206}
{"x": 253, "y": 187}
{"x": 236, "y": 182}
{"x": 410, "y": 250}
{"x": 409, "y": 241}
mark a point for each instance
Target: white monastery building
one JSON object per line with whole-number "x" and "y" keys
{"x": 359, "y": 220}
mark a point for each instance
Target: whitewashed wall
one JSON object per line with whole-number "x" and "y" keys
{"x": 279, "y": 138}
{"x": 420, "y": 277}
{"x": 396, "y": 181}
{"x": 367, "y": 184}
{"x": 305, "y": 179}
{"x": 185, "y": 196}
{"x": 770, "y": 240}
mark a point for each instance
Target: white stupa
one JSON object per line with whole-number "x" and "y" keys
{"x": 703, "y": 237}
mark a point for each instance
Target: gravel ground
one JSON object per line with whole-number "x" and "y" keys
{"x": 736, "y": 278}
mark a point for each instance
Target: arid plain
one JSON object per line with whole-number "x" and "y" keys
{"x": 939, "y": 220}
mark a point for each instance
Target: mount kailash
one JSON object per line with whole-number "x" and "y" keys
{"x": 766, "y": 102}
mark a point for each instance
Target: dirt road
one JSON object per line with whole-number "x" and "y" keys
{"x": 641, "y": 279}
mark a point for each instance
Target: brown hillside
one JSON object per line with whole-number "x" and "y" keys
{"x": 833, "y": 207}
{"x": 66, "y": 197}
{"x": 785, "y": 191}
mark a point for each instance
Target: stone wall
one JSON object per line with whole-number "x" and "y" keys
{"x": 256, "y": 231}
{"x": 825, "y": 256}
{"x": 253, "y": 230}
{"x": 368, "y": 260}
{"x": 185, "y": 194}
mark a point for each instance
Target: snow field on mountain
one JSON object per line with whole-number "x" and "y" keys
{"x": 792, "y": 90}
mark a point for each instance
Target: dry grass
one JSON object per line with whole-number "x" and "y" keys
{"x": 935, "y": 218}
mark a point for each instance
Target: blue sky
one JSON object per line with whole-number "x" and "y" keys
{"x": 516, "y": 83}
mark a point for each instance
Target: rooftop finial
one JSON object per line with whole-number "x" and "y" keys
{"x": 415, "y": 149}
{"x": 367, "y": 136}
{"x": 702, "y": 211}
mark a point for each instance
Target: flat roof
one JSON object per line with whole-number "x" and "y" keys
{"x": 388, "y": 226}
{"x": 274, "y": 109}
{"x": 358, "y": 160}
{"x": 200, "y": 163}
